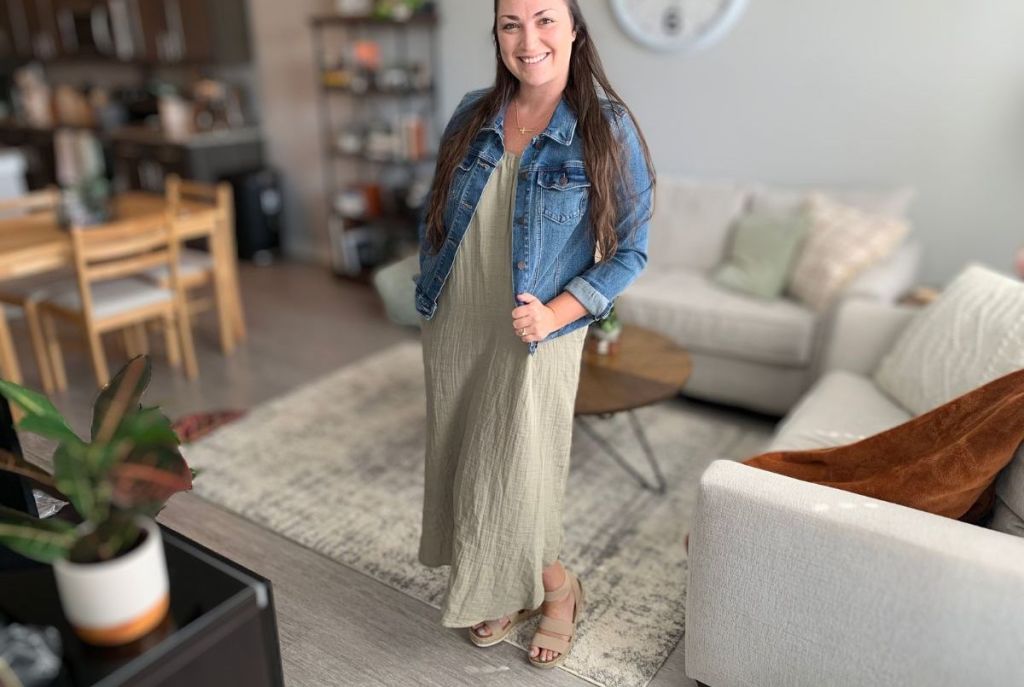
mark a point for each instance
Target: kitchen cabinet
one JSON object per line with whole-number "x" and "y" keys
{"x": 95, "y": 28}
{"x": 34, "y": 29}
{"x": 193, "y": 31}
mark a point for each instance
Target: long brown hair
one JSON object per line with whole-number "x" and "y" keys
{"x": 603, "y": 155}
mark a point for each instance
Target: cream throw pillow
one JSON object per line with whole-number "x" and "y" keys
{"x": 973, "y": 333}
{"x": 842, "y": 243}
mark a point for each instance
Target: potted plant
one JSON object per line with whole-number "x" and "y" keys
{"x": 606, "y": 333}
{"x": 110, "y": 570}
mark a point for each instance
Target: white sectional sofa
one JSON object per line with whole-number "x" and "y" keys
{"x": 799, "y": 585}
{"x": 748, "y": 352}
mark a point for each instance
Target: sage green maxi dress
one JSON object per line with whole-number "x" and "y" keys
{"x": 499, "y": 427}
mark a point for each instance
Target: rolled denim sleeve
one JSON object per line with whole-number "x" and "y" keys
{"x": 598, "y": 286}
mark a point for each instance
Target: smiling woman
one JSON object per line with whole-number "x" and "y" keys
{"x": 536, "y": 221}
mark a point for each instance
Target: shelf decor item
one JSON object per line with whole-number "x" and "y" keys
{"x": 110, "y": 571}
{"x": 1020, "y": 262}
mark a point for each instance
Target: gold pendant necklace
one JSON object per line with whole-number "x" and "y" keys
{"x": 522, "y": 129}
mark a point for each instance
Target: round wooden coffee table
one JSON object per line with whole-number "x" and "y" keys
{"x": 647, "y": 368}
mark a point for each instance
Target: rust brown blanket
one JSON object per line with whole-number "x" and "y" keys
{"x": 943, "y": 462}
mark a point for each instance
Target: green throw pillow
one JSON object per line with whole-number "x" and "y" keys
{"x": 764, "y": 247}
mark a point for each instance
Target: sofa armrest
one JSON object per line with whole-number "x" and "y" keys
{"x": 862, "y": 333}
{"x": 891, "y": 278}
{"x": 793, "y": 583}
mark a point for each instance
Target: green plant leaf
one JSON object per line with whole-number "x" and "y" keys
{"x": 72, "y": 476}
{"x": 120, "y": 397}
{"x": 43, "y": 540}
{"x": 10, "y": 462}
{"x": 41, "y": 417}
{"x": 147, "y": 478}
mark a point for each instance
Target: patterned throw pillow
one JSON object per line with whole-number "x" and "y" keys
{"x": 973, "y": 333}
{"x": 842, "y": 243}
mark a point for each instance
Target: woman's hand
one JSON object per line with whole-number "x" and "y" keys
{"x": 533, "y": 321}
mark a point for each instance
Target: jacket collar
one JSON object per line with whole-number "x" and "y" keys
{"x": 561, "y": 128}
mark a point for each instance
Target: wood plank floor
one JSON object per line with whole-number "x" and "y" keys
{"x": 337, "y": 626}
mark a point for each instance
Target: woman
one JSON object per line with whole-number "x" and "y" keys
{"x": 536, "y": 221}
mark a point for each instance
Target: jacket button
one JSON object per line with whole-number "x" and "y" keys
{"x": 521, "y": 265}
{"x": 521, "y": 221}
{"x": 524, "y": 175}
{"x": 563, "y": 181}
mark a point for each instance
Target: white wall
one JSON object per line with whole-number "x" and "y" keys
{"x": 875, "y": 93}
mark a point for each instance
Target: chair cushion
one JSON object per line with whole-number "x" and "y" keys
{"x": 841, "y": 407}
{"x": 191, "y": 262}
{"x": 691, "y": 223}
{"x": 973, "y": 333}
{"x": 114, "y": 297}
{"x": 35, "y": 288}
{"x": 686, "y": 306}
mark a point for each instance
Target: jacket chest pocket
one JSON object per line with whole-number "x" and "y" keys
{"x": 564, "y": 194}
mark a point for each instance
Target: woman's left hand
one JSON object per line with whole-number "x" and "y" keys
{"x": 533, "y": 321}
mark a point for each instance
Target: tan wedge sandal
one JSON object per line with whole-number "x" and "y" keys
{"x": 562, "y": 627}
{"x": 498, "y": 632}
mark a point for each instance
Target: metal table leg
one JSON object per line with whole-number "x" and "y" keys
{"x": 638, "y": 431}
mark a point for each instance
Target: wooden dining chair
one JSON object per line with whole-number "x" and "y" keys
{"x": 45, "y": 200}
{"x": 214, "y": 268}
{"x": 23, "y": 295}
{"x": 112, "y": 293}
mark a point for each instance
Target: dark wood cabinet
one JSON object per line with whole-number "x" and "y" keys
{"x": 34, "y": 30}
{"x": 193, "y": 31}
{"x": 163, "y": 32}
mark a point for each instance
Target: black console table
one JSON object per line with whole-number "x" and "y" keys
{"x": 221, "y": 628}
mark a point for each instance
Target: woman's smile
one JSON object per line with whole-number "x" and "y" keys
{"x": 535, "y": 59}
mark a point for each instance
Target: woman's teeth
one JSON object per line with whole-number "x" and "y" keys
{"x": 535, "y": 60}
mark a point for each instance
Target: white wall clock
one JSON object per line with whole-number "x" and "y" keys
{"x": 677, "y": 25}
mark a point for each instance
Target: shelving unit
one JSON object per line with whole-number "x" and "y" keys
{"x": 378, "y": 137}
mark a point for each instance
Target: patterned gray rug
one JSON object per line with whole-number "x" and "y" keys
{"x": 337, "y": 466}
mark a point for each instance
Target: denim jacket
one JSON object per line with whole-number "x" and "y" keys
{"x": 552, "y": 246}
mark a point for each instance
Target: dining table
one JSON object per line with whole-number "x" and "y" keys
{"x": 35, "y": 243}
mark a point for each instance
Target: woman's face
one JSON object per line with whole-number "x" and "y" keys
{"x": 535, "y": 38}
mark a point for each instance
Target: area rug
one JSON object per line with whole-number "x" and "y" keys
{"x": 338, "y": 466}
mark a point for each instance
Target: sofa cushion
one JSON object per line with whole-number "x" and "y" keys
{"x": 823, "y": 416}
{"x": 691, "y": 223}
{"x": 842, "y": 243}
{"x": 396, "y": 285}
{"x": 686, "y": 306}
{"x": 892, "y": 202}
{"x": 1008, "y": 515}
{"x": 763, "y": 248}
{"x": 972, "y": 334}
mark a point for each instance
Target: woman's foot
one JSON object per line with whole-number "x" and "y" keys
{"x": 481, "y": 629}
{"x": 562, "y": 609}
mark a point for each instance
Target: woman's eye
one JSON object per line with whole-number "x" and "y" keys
{"x": 508, "y": 27}
{"x": 547, "y": 20}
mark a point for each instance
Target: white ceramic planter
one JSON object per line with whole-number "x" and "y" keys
{"x": 116, "y": 601}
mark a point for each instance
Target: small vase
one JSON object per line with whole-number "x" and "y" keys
{"x": 1020, "y": 262}
{"x": 117, "y": 601}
